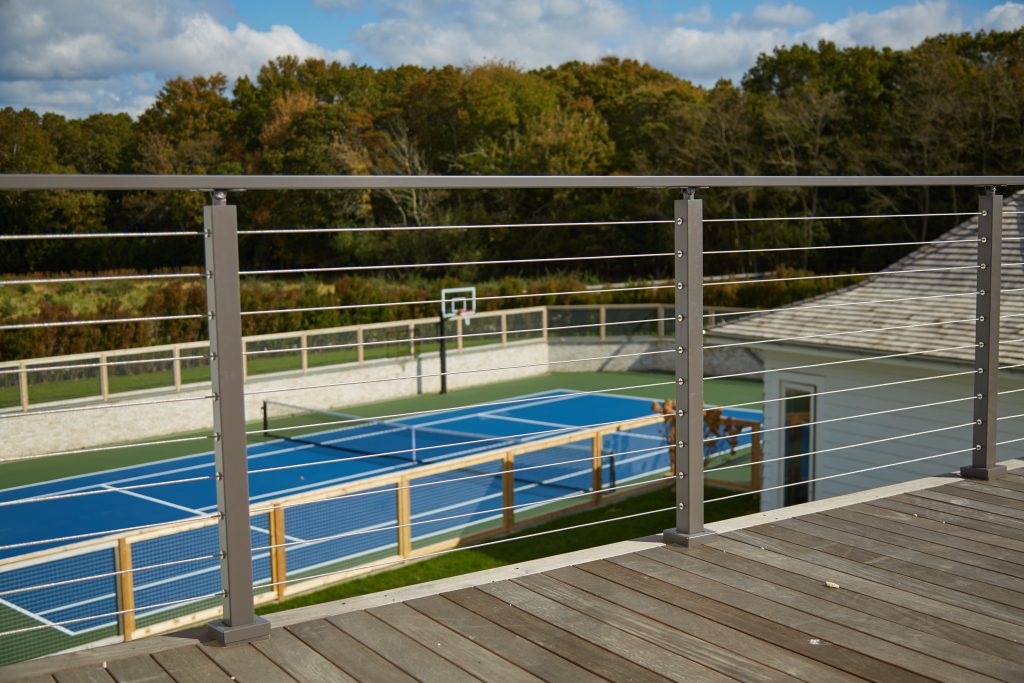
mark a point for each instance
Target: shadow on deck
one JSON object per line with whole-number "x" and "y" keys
{"x": 914, "y": 582}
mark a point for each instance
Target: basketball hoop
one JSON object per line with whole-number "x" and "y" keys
{"x": 459, "y": 303}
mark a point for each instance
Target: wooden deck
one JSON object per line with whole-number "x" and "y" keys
{"x": 923, "y": 583}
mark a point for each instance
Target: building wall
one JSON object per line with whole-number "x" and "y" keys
{"x": 875, "y": 428}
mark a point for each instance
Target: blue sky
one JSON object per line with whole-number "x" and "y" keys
{"x": 77, "y": 57}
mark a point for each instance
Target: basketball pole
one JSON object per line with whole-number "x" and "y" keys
{"x": 444, "y": 354}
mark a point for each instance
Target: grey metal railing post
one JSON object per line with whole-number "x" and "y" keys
{"x": 986, "y": 354}
{"x": 240, "y": 622}
{"x": 689, "y": 333}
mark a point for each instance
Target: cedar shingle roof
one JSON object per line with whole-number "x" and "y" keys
{"x": 838, "y": 311}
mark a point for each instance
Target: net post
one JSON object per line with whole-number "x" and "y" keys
{"x": 508, "y": 491}
{"x": 278, "y": 554}
{"x": 596, "y": 451}
{"x": 23, "y": 385}
{"x": 104, "y": 377}
{"x": 227, "y": 369}
{"x": 176, "y": 366}
{"x": 986, "y": 336}
{"x": 689, "y": 332}
{"x": 304, "y": 352}
{"x": 443, "y": 352}
{"x": 404, "y": 518}
{"x": 125, "y": 589}
{"x": 360, "y": 351}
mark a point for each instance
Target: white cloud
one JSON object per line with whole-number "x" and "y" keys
{"x": 63, "y": 48}
{"x": 338, "y": 4}
{"x": 531, "y": 33}
{"x": 782, "y": 15}
{"x": 898, "y": 27}
{"x": 707, "y": 55}
{"x": 700, "y": 15}
{"x": 1006, "y": 17}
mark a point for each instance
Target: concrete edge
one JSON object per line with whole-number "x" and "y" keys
{"x": 747, "y": 521}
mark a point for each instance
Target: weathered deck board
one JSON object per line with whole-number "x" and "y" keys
{"x": 926, "y": 585}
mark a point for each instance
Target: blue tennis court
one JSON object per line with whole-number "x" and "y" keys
{"x": 320, "y": 535}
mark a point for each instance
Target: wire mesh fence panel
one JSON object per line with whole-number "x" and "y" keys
{"x": 632, "y": 322}
{"x": 140, "y": 371}
{"x": 77, "y": 611}
{"x": 64, "y": 384}
{"x": 480, "y": 331}
{"x": 176, "y": 583}
{"x": 261, "y": 536}
{"x": 517, "y": 323}
{"x": 287, "y": 356}
{"x": 397, "y": 338}
{"x": 473, "y": 504}
{"x": 195, "y": 365}
{"x": 10, "y": 389}
{"x": 574, "y": 318}
{"x": 321, "y": 357}
{"x": 332, "y": 535}
{"x": 636, "y": 454}
{"x": 553, "y": 478}
{"x": 427, "y": 333}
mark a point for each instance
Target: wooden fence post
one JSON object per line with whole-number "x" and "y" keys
{"x": 23, "y": 385}
{"x": 458, "y": 333}
{"x": 176, "y": 367}
{"x": 504, "y": 328}
{"x": 278, "y": 555}
{"x": 104, "y": 378}
{"x": 602, "y": 317}
{"x": 125, "y": 589}
{"x": 304, "y": 352}
{"x": 596, "y": 451}
{"x": 360, "y": 353}
{"x": 404, "y": 518}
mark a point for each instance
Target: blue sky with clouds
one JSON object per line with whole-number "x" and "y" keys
{"x": 77, "y": 57}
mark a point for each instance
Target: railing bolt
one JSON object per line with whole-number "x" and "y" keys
{"x": 679, "y": 285}
{"x": 680, "y": 412}
{"x": 679, "y": 254}
{"x": 679, "y": 318}
{"x": 680, "y": 381}
{"x": 681, "y": 475}
{"x": 680, "y": 349}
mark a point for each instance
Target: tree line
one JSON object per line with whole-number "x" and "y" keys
{"x": 952, "y": 105}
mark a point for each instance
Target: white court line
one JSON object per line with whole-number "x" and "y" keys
{"x": 169, "y": 504}
{"x": 36, "y": 617}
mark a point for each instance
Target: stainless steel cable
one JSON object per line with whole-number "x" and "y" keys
{"x": 784, "y": 219}
{"x": 400, "y": 228}
{"x": 841, "y": 362}
{"x": 425, "y": 302}
{"x": 843, "y": 448}
{"x": 474, "y": 406}
{"x": 834, "y": 246}
{"x": 96, "y": 235}
{"x": 507, "y": 439}
{"x": 104, "y": 321}
{"x": 98, "y": 364}
{"x": 118, "y": 447}
{"x": 106, "y": 489}
{"x": 793, "y": 308}
{"x": 100, "y": 278}
{"x": 456, "y": 372}
{"x": 453, "y": 337}
{"x": 119, "y": 572}
{"x": 473, "y": 546}
{"x": 841, "y": 419}
{"x": 106, "y": 406}
{"x": 844, "y": 332}
{"x": 448, "y": 518}
{"x": 843, "y": 391}
{"x": 52, "y": 624}
{"x": 107, "y": 532}
{"x": 842, "y": 474}
{"x": 438, "y": 482}
{"x": 1009, "y": 391}
{"x": 451, "y": 264}
{"x": 838, "y": 275}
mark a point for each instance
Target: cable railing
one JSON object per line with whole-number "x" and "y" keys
{"x": 252, "y": 486}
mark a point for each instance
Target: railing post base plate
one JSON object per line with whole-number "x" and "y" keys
{"x": 986, "y": 473}
{"x": 229, "y": 635}
{"x": 675, "y": 537}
